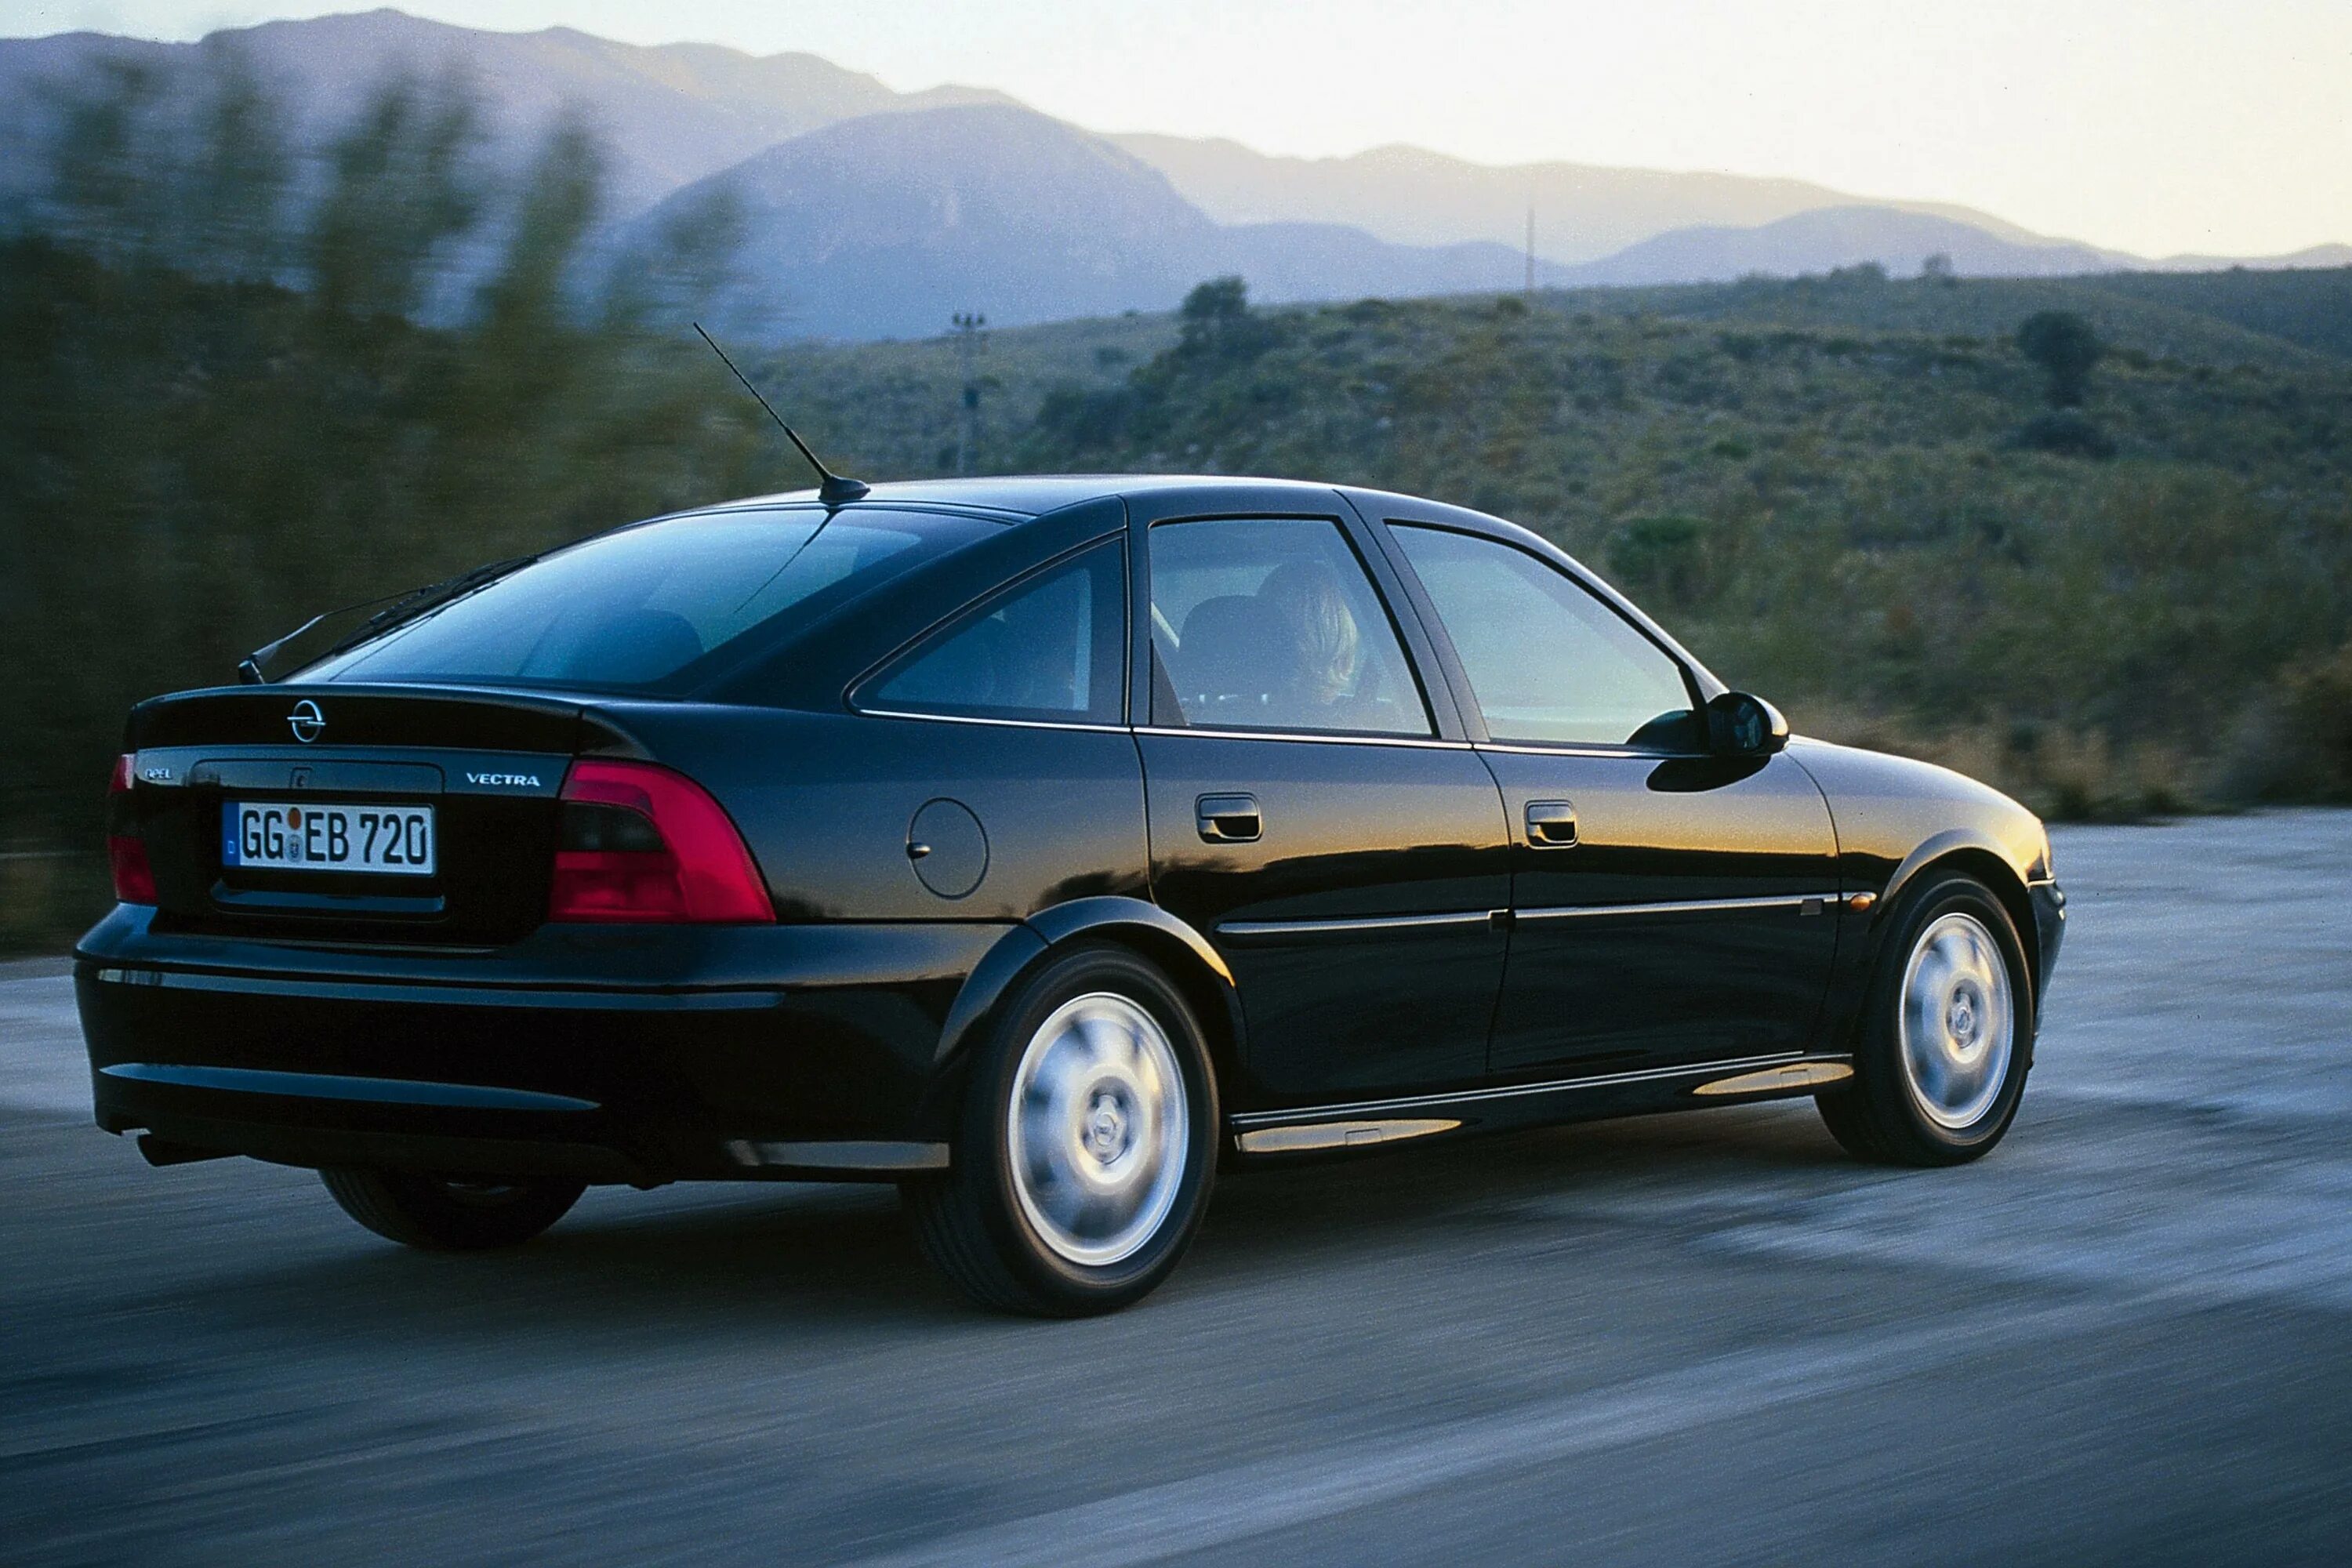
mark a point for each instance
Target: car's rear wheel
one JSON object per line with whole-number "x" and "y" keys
{"x": 1086, "y": 1147}
{"x": 448, "y": 1214}
{"x": 1941, "y": 1062}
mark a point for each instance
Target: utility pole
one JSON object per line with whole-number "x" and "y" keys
{"x": 969, "y": 343}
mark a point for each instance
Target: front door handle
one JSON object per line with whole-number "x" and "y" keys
{"x": 1229, "y": 818}
{"x": 1551, "y": 824}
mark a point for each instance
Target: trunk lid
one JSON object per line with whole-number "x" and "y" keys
{"x": 481, "y": 769}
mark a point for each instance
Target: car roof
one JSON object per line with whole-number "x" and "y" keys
{"x": 1013, "y": 498}
{"x": 1032, "y": 495}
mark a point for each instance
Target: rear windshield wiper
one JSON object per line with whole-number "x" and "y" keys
{"x": 406, "y": 605}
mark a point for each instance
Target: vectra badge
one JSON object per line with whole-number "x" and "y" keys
{"x": 306, "y": 720}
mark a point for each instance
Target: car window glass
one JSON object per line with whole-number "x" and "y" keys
{"x": 1055, "y": 647}
{"x": 1273, "y": 624}
{"x": 635, "y": 607}
{"x": 1545, "y": 659}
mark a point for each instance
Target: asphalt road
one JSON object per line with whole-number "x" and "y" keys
{"x": 2127, "y": 1336}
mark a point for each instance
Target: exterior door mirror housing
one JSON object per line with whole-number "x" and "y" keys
{"x": 1741, "y": 725}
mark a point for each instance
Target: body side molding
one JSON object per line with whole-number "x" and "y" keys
{"x": 1300, "y": 1128}
{"x": 1800, "y": 904}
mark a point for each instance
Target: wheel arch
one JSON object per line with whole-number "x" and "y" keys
{"x": 1182, "y": 954}
{"x": 1985, "y": 862}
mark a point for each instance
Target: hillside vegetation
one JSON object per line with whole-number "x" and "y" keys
{"x": 1836, "y": 495}
{"x": 895, "y": 405}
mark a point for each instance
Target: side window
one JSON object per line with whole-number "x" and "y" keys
{"x": 1547, "y": 660}
{"x": 1273, "y": 625}
{"x": 1051, "y": 647}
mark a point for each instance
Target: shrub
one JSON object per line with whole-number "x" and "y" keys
{"x": 2065, "y": 347}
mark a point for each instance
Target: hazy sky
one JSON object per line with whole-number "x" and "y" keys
{"x": 2154, "y": 125}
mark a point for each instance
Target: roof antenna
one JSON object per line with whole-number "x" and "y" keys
{"x": 833, "y": 489}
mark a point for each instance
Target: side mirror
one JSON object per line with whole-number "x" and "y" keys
{"x": 1739, "y": 725}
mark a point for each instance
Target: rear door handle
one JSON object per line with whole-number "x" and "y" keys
{"x": 1229, "y": 818}
{"x": 1551, "y": 824}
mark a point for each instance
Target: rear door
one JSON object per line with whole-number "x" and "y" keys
{"x": 1667, "y": 906}
{"x": 1314, "y": 813}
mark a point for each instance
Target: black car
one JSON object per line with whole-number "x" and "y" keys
{"x": 1041, "y": 845}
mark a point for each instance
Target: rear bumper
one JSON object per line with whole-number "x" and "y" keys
{"x": 638, "y": 1054}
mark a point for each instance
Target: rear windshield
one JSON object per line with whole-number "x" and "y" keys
{"x": 641, "y": 607}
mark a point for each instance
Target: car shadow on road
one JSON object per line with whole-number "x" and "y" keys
{"x": 842, "y": 1259}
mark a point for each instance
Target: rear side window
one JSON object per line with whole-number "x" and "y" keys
{"x": 641, "y": 607}
{"x": 1051, "y": 647}
{"x": 1545, "y": 659}
{"x": 1273, "y": 624}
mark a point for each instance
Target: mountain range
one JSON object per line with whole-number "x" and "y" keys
{"x": 886, "y": 225}
{"x": 870, "y": 212}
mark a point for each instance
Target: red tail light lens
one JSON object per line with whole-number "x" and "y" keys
{"x": 126, "y": 852}
{"x": 643, "y": 845}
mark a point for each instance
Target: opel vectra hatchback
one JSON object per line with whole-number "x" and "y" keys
{"x": 1039, "y": 844}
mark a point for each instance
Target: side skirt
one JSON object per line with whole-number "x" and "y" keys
{"x": 1317, "y": 1129}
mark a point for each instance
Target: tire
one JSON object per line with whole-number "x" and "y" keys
{"x": 442, "y": 1213}
{"x": 1086, "y": 1146}
{"x": 1946, "y": 1037}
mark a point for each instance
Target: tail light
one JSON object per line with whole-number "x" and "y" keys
{"x": 126, "y": 852}
{"x": 643, "y": 845}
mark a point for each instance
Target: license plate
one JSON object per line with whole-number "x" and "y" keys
{"x": 303, "y": 836}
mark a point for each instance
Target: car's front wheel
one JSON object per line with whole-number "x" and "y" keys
{"x": 1946, "y": 1042}
{"x": 446, "y": 1214}
{"x": 1086, "y": 1143}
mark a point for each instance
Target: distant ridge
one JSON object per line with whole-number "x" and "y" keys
{"x": 1412, "y": 195}
{"x": 1831, "y": 237}
{"x": 2316, "y": 256}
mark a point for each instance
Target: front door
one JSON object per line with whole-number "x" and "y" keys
{"x": 1347, "y": 859}
{"x": 1667, "y": 906}
{"x": 1692, "y": 917}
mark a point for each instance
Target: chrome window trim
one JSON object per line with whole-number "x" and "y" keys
{"x": 1001, "y": 723}
{"x": 1335, "y": 737}
{"x": 1339, "y": 740}
{"x": 1679, "y": 907}
{"x": 1246, "y": 1120}
{"x": 1585, "y": 748}
{"x": 1356, "y": 924}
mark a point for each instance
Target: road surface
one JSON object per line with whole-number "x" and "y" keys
{"x": 2127, "y": 1336}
